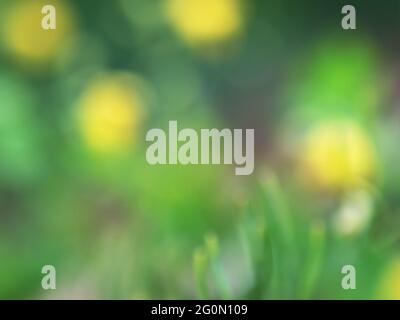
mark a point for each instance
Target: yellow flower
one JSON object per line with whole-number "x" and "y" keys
{"x": 337, "y": 155}
{"x": 389, "y": 286}
{"x": 23, "y": 33}
{"x": 205, "y": 21}
{"x": 110, "y": 111}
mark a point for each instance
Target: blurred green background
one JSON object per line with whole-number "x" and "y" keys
{"x": 76, "y": 191}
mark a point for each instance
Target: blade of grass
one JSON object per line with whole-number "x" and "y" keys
{"x": 217, "y": 271}
{"x": 312, "y": 267}
{"x": 200, "y": 265}
{"x": 282, "y": 238}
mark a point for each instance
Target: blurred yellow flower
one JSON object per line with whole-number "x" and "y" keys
{"x": 337, "y": 155}
{"x": 389, "y": 286}
{"x": 203, "y": 22}
{"x": 23, "y": 34}
{"x": 110, "y": 111}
